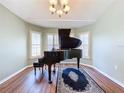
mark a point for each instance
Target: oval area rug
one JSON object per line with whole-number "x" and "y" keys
{"x": 72, "y": 80}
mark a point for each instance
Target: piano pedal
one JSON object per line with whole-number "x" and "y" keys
{"x": 50, "y": 82}
{"x": 54, "y": 71}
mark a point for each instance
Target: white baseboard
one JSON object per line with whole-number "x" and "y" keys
{"x": 9, "y": 77}
{"x": 105, "y": 74}
{"x": 29, "y": 66}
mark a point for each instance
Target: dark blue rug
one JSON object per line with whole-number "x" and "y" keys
{"x": 79, "y": 84}
{"x": 72, "y": 80}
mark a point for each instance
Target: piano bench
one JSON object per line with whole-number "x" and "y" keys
{"x": 37, "y": 65}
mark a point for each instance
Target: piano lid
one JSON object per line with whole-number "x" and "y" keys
{"x": 67, "y": 42}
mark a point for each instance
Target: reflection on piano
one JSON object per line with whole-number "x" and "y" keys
{"x": 66, "y": 51}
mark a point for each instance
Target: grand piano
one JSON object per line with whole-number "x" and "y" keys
{"x": 66, "y": 50}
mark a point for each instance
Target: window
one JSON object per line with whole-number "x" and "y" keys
{"x": 52, "y": 40}
{"x": 85, "y": 44}
{"x": 36, "y": 44}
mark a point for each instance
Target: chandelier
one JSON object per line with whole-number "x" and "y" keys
{"x": 59, "y": 7}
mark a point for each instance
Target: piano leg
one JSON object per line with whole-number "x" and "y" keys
{"x": 54, "y": 70}
{"x": 49, "y": 74}
{"x": 78, "y": 63}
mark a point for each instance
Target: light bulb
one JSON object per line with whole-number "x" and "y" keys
{"x": 52, "y": 9}
{"x": 60, "y": 12}
{"x": 64, "y": 2}
{"x": 53, "y": 2}
{"x": 66, "y": 9}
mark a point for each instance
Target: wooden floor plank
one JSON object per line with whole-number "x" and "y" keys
{"x": 27, "y": 82}
{"x": 108, "y": 85}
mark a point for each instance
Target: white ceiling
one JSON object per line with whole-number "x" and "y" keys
{"x": 83, "y": 12}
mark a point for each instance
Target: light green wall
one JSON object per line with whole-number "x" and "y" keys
{"x": 13, "y": 43}
{"x": 108, "y": 41}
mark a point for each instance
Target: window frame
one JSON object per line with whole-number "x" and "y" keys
{"x": 53, "y": 34}
{"x": 30, "y": 53}
{"x": 89, "y": 44}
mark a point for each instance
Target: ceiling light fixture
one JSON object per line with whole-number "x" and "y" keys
{"x": 59, "y": 7}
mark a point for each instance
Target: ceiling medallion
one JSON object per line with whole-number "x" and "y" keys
{"x": 59, "y": 7}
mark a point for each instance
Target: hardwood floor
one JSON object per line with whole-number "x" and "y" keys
{"x": 26, "y": 82}
{"x": 105, "y": 83}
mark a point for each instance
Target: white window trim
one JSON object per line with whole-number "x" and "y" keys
{"x": 30, "y": 44}
{"x": 47, "y": 38}
{"x": 89, "y": 45}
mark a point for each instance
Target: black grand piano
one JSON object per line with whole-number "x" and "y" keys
{"x": 66, "y": 50}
